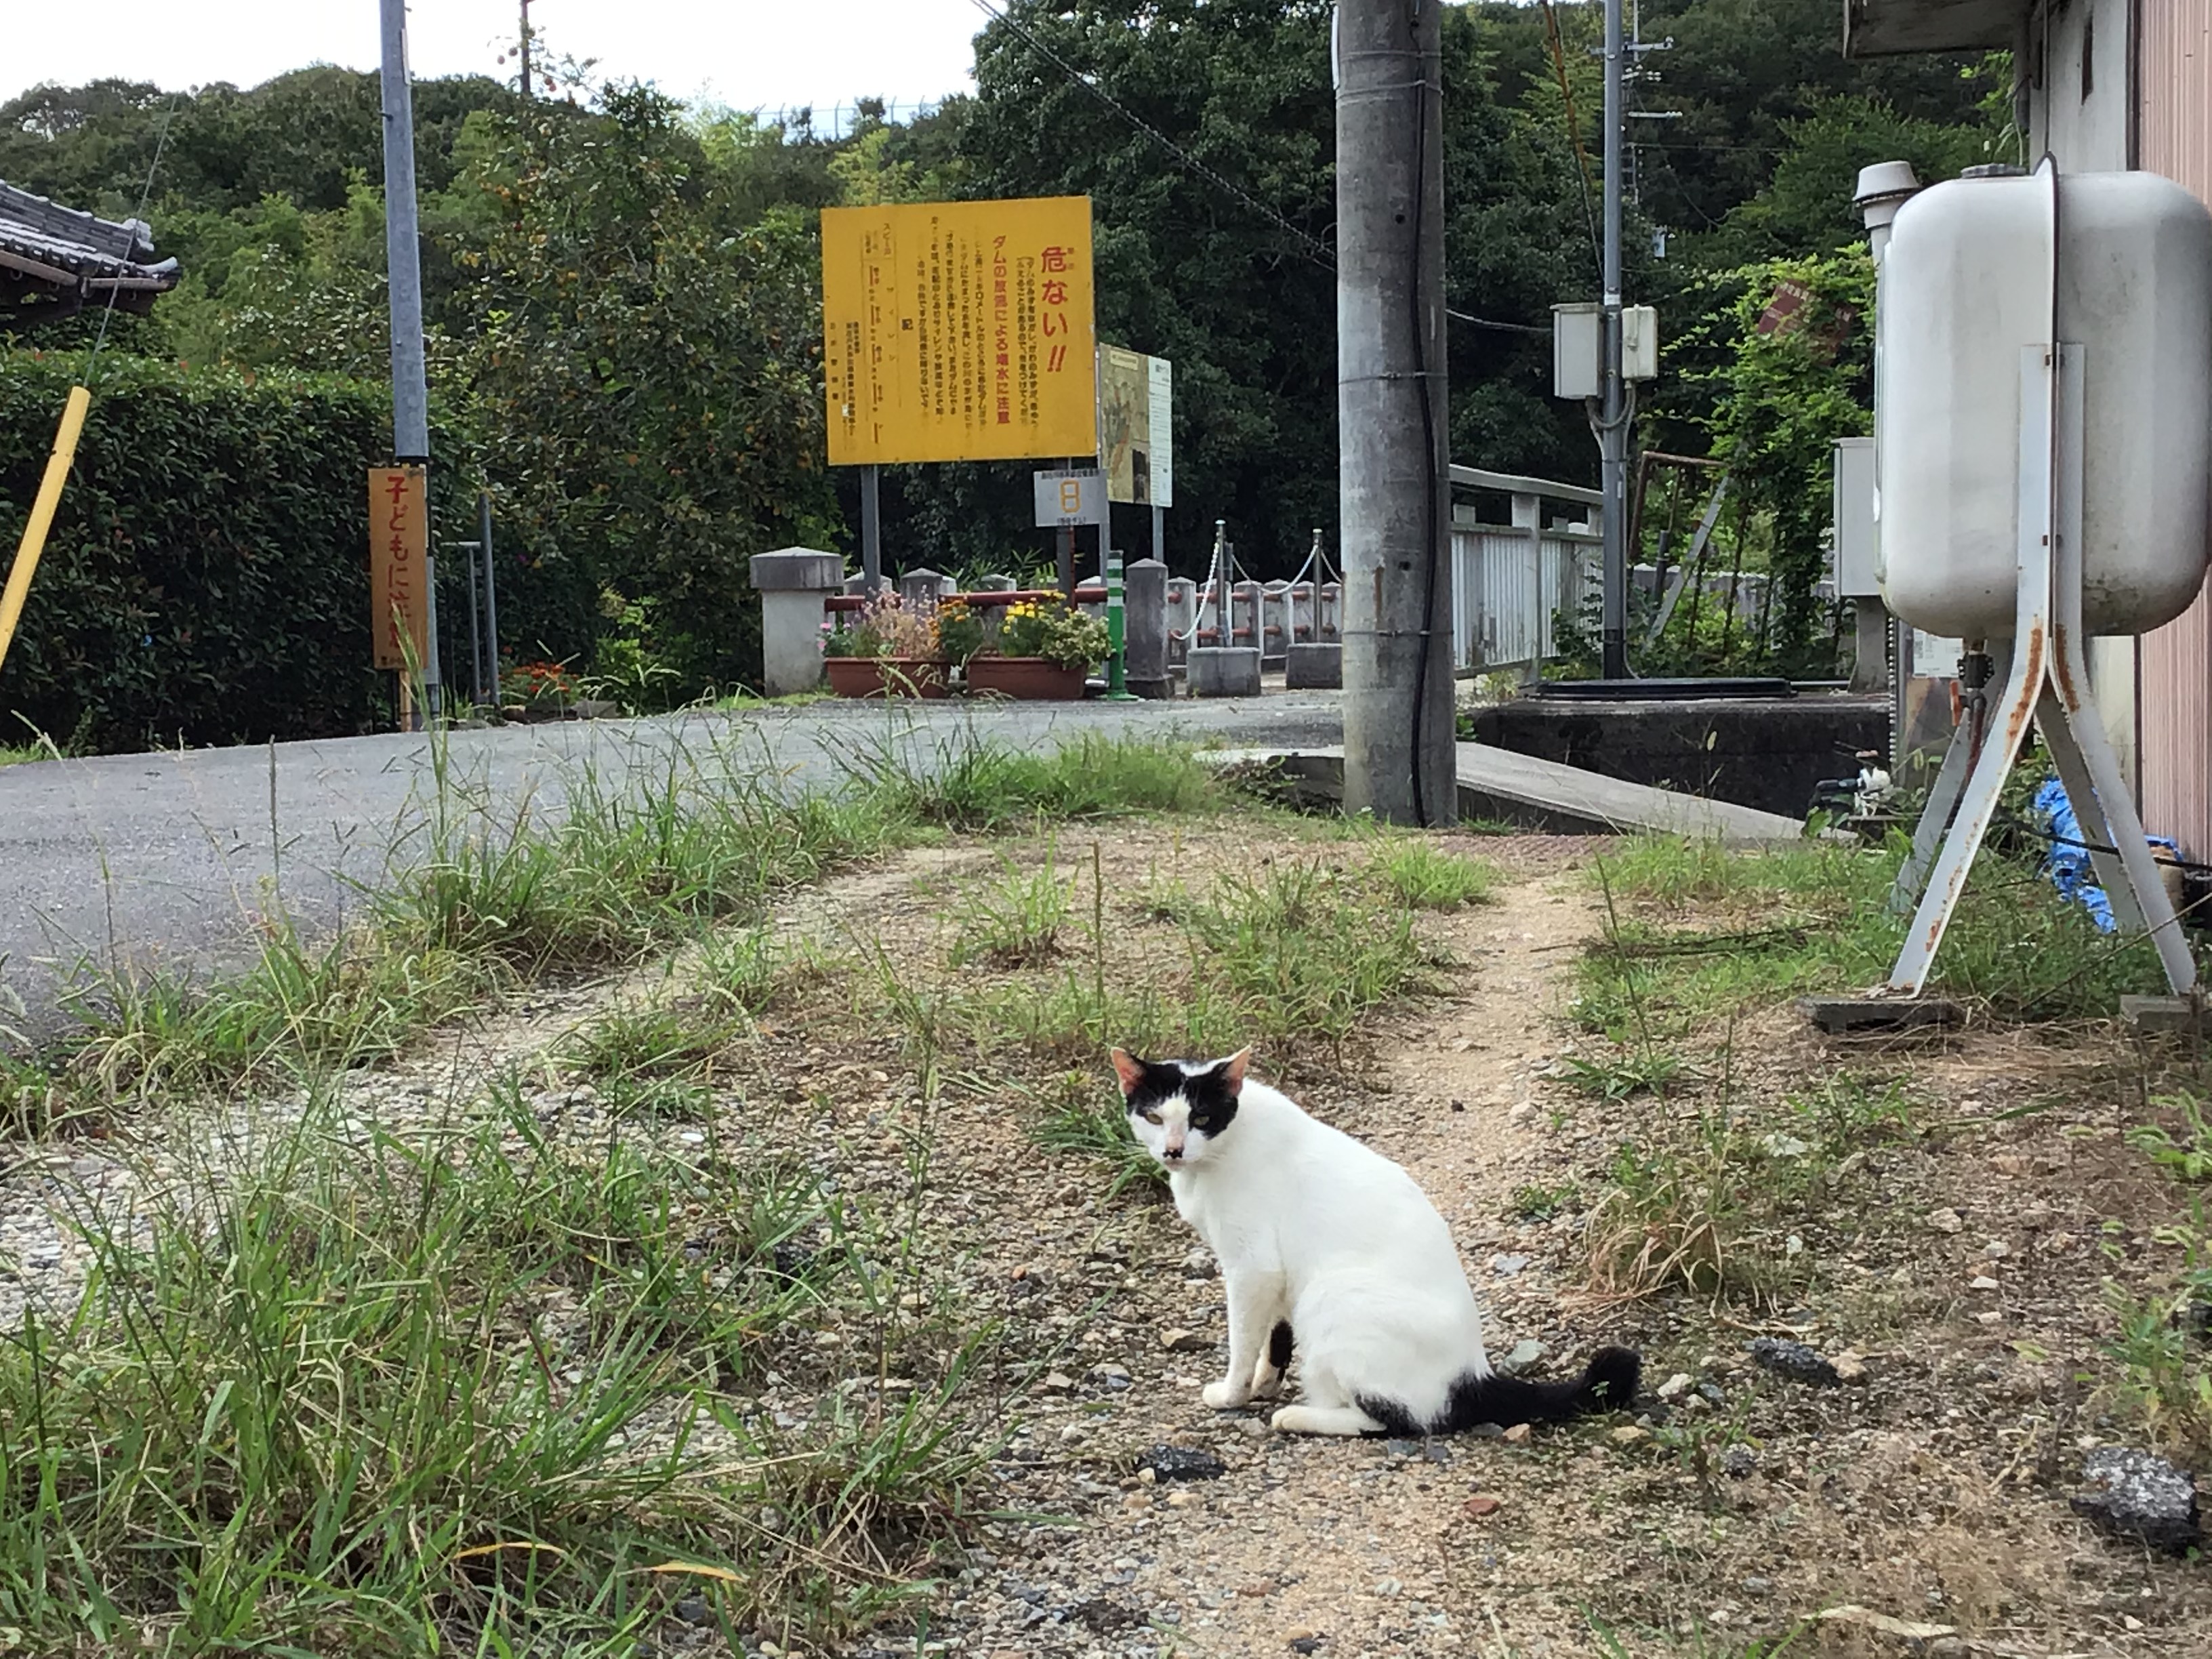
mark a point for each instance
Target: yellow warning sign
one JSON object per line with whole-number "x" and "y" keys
{"x": 959, "y": 331}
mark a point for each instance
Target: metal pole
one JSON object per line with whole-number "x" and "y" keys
{"x": 410, "y": 397}
{"x": 1391, "y": 408}
{"x": 872, "y": 529}
{"x": 1612, "y": 435}
{"x": 476, "y": 633}
{"x": 1160, "y": 534}
{"x": 526, "y": 48}
{"x": 491, "y": 593}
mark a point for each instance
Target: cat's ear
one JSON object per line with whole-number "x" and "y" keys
{"x": 1129, "y": 1069}
{"x": 1232, "y": 1070}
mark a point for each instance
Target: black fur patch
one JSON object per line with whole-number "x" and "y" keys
{"x": 1608, "y": 1384}
{"x": 1212, "y": 1106}
{"x": 1279, "y": 1345}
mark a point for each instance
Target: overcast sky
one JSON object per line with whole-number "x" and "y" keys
{"x": 749, "y": 54}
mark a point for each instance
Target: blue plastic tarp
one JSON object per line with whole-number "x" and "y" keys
{"x": 2069, "y": 863}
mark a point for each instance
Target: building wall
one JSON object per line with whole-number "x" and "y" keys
{"x": 2174, "y": 136}
{"x": 2076, "y": 59}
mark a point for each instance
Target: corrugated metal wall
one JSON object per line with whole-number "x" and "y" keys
{"x": 2174, "y": 110}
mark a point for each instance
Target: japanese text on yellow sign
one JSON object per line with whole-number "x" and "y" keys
{"x": 398, "y": 555}
{"x": 959, "y": 331}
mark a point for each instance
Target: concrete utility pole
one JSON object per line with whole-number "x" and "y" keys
{"x": 1393, "y": 448}
{"x": 1612, "y": 434}
{"x": 526, "y": 48}
{"x": 411, "y": 397}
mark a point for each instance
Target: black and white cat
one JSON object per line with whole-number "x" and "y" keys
{"x": 1319, "y": 1235}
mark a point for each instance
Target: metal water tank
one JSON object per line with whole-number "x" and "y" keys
{"x": 1965, "y": 285}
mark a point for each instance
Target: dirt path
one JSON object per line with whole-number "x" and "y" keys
{"x": 1351, "y": 1549}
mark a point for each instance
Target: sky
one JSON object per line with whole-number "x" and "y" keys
{"x": 749, "y": 54}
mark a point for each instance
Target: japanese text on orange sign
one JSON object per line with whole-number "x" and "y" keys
{"x": 959, "y": 331}
{"x": 398, "y": 553}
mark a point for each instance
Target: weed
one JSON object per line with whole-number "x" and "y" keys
{"x": 1681, "y": 1214}
{"x": 405, "y": 1397}
{"x": 2188, "y": 1151}
{"x": 1015, "y": 920}
{"x": 1082, "y": 1114}
{"x": 973, "y": 785}
{"x": 657, "y": 1041}
{"x": 741, "y": 968}
{"x": 1306, "y": 951}
{"x": 1814, "y": 915}
{"x": 1533, "y": 1202}
{"x": 1420, "y": 875}
{"x": 1626, "y": 1076}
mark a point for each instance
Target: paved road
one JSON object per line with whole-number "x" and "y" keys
{"x": 167, "y": 858}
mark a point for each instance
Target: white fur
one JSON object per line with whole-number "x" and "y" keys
{"x": 1311, "y": 1226}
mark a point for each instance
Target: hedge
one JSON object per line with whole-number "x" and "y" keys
{"x": 206, "y": 580}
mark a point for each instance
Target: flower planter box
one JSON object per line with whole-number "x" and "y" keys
{"x": 888, "y": 676}
{"x": 1030, "y": 679}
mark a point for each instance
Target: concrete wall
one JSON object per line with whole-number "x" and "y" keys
{"x": 1767, "y": 754}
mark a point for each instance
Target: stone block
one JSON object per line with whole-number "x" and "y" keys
{"x": 797, "y": 569}
{"x": 1224, "y": 670}
{"x": 1314, "y": 667}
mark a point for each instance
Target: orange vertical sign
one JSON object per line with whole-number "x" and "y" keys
{"x": 398, "y": 555}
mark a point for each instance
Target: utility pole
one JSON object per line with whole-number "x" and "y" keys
{"x": 525, "y": 49}
{"x": 1613, "y": 431}
{"x": 1393, "y": 449}
{"x": 411, "y": 397}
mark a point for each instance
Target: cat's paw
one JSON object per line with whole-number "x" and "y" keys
{"x": 1227, "y": 1394}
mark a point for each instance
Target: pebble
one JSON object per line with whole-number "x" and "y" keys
{"x": 1675, "y": 1386}
{"x": 1945, "y": 1221}
{"x": 2138, "y": 1494}
{"x": 1526, "y": 1352}
{"x": 1851, "y": 1366}
{"x": 1518, "y": 1435}
{"x": 1387, "y": 1587}
{"x": 1793, "y": 1360}
{"x": 1629, "y": 1434}
{"x": 1185, "y": 1341}
{"x": 1505, "y": 1266}
{"x": 1181, "y": 1463}
{"x": 1739, "y": 1463}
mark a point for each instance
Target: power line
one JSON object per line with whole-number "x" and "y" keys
{"x": 1313, "y": 248}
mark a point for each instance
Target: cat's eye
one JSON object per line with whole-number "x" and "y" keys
{"x": 1151, "y": 1117}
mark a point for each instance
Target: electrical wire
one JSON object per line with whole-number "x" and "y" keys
{"x": 145, "y": 195}
{"x": 1310, "y": 246}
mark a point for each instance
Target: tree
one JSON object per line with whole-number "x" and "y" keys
{"x": 645, "y": 371}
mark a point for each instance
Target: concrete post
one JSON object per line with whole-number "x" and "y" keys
{"x": 793, "y": 583}
{"x": 920, "y": 589}
{"x": 1393, "y": 414}
{"x": 1145, "y": 585}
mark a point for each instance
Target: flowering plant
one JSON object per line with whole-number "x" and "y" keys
{"x": 530, "y": 683}
{"x": 1053, "y": 629}
{"x": 883, "y": 628}
{"x": 960, "y": 633}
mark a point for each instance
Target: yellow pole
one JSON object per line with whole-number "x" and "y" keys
{"x": 42, "y": 517}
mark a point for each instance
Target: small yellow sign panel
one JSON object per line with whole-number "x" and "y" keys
{"x": 399, "y": 559}
{"x": 959, "y": 331}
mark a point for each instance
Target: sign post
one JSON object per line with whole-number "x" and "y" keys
{"x": 400, "y": 575}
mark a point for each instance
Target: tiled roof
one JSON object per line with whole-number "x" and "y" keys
{"x": 60, "y": 245}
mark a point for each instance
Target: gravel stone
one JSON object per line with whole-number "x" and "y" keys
{"x": 1793, "y": 1360}
{"x": 2139, "y": 1495}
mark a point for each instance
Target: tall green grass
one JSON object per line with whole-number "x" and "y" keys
{"x": 466, "y": 1390}
{"x": 1812, "y": 916}
{"x": 483, "y": 894}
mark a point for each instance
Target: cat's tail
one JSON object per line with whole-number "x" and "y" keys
{"x": 1607, "y": 1384}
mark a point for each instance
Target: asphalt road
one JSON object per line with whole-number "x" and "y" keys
{"x": 168, "y": 859}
